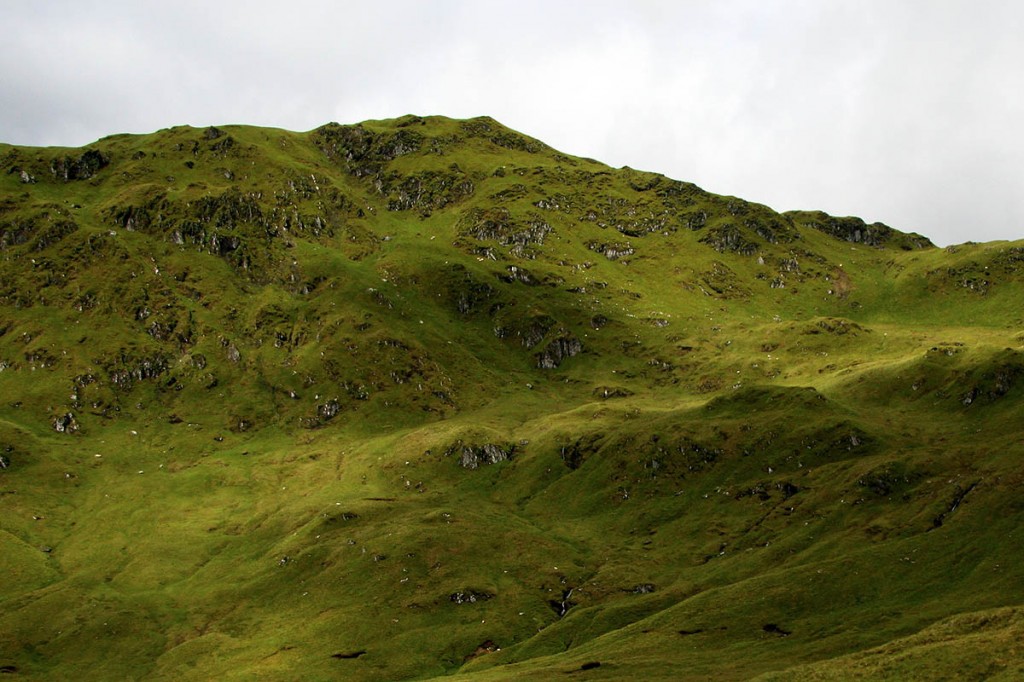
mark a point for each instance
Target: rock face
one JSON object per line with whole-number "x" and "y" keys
{"x": 559, "y": 349}
{"x": 86, "y": 166}
{"x": 856, "y": 231}
{"x": 475, "y": 456}
{"x": 426, "y": 191}
{"x": 500, "y": 225}
{"x": 730, "y": 239}
{"x": 362, "y": 152}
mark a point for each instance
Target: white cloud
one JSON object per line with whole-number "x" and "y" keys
{"x": 904, "y": 112}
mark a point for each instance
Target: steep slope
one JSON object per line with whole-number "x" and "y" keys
{"x": 426, "y": 397}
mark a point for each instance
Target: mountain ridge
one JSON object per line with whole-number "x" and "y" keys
{"x": 284, "y": 403}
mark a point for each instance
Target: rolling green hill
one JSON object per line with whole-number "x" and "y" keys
{"x": 425, "y": 398}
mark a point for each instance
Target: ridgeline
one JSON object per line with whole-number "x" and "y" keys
{"x": 427, "y": 398}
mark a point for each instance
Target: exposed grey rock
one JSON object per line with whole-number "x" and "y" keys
{"x": 469, "y": 596}
{"x": 498, "y": 224}
{"x": 558, "y": 350}
{"x": 521, "y": 275}
{"x": 133, "y": 370}
{"x": 53, "y": 233}
{"x": 535, "y": 330}
{"x": 472, "y": 457}
{"x": 86, "y": 166}
{"x": 856, "y": 231}
{"x": 730, "y": 238}
{"x": 696, "y": 220}
{"x": 425, "y": 191}
{"x": 789, "y": 265}
{"x": 26, "y": 178}
{"x": 613, "y": 251}
{"x": 361, "y": 152}
{"x": 328, "y": 410}
{"x": 65, "y": 423}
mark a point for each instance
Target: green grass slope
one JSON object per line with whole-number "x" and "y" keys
{"x": 425, "y": 398}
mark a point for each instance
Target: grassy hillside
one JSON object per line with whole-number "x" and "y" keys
{"x": 426, "y": 398}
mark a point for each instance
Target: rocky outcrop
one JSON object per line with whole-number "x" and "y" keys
{"x": 719, "y": 281}
{"x": 889, "y": 479}
{"x": 468, "y": 294}
{"x": 558, "y": 350}
{"x": 425, "y": 191}
{"x": 730, "y": 239}
{"x": 53, "y": 233}
{"x": 474, "y": 456}
{"x": 66, "y": 169}
{"x": 836, "y": 326}
{"x": 469, "y": 596}
{"x": 500, "y": 225}
{"x": 65, "y": 423}
{"x": 856, "y": 231}
{"x": 328, "y": 410}
{"x": 994, "y": 380}
{"x": 529, "y": 332}
{"x": 487, "y": 128}
{"x": 40, "y": 230}
{"x": 361, "y": 152}
{"x": 574, "y": 454}
{"x": 126, "y": 371}
{"x": 612, "y": 251}
{"x": 518, "y": 274}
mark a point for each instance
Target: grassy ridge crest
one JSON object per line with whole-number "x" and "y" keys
{"x": 424, "y": 397}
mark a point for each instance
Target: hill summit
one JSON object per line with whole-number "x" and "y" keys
{"x": 427, "y": 398}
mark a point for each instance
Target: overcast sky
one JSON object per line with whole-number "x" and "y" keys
{"x": 906, "y": 112}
